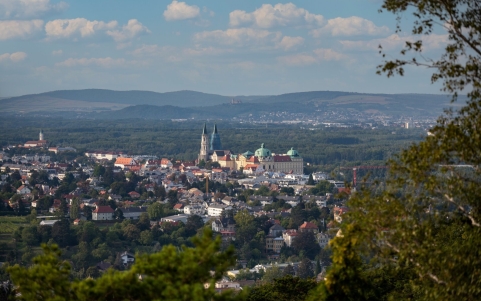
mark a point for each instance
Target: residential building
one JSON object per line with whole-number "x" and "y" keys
{"x": 223, "y": 224}
{"x": 338, "y": 212}
{"x": 103, "y": 213}
{"x": 23, "y": 190}
{"x": 274, "y": 244}
{"x": 276, "y": 230}
{"x": 323, "y": 239}
{"x": 309, "y": 227}
{"x": 133, "y": 212}
{"x": 289, "y": 236}
{"x": 197, "y": 209}
{"x": 127, "y": 258}
{"x": 217, "y": 209}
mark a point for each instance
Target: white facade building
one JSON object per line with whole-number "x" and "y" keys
{"x": 216, "y": 210}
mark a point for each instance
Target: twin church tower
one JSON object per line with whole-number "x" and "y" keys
{"x": 208, "y": 146}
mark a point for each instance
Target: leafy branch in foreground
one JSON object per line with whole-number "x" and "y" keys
{"x": 170, "y": 274}
{"x": 459, "y": 66}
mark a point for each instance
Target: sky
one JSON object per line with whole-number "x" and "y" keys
{"x": 227, "y": 47}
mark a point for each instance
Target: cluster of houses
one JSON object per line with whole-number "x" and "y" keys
{"x": 163, "y": 172}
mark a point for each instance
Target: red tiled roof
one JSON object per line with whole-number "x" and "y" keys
{"x": 178, "y": 206}
{"x": 308, "y": 225}
{"x": 103, "y": 209}
{"x": 124, "y": 161}
{"x": 280, "y": 158}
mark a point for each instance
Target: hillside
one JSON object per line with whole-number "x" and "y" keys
{"x": 96, "y": 103}
{"x": 109, "y": 98}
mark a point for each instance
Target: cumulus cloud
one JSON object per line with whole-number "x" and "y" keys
{"x": 107, "y": 62}
{"x": 23, "y": 9}
{"x": 129, "y": 31}
{"x": 66, "y": 28}
{"x": 180, "y": 11}
{"x": 395, "y": 41}
{"x": 81, "y": 27}
{"x": 238, "y": 36}
{"x": 268, "y": 16}
{"x": 13, "y": 57}
{"x": 317, "y": 56}
{"x": 19, "y": 29}
{"x": 288, "y": 43}
{"x": 352, "y": 26}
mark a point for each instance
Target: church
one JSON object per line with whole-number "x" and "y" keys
{"x": 259, "y": 161}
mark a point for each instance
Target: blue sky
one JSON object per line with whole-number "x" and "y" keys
{"x": 228, "y": 47}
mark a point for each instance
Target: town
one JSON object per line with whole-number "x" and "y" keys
{"x": 292, "y": 216}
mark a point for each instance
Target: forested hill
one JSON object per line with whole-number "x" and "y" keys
{"x": 96, "y": 103}
{"x": 178, "y": 98}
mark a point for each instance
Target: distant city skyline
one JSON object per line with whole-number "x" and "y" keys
{"x": 224, "y": 47}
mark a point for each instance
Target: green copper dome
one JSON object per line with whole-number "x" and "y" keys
{"x": 247, "y": 154}
{"x": 293, "y": 153}
{"x": 263, "y": 152}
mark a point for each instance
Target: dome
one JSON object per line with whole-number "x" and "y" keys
{"x": 247, "y": 154}
{"x": 293, "y": 153}
{"x": 263, "y": 152}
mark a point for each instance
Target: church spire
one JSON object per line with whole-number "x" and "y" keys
{"x": 204, "y": 131}
{"x": 215, "y": 143}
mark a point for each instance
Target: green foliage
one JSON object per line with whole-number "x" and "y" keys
{"x": 272, "y": 273}
{"x": 322, "y": 188}
{"x": 418, "y": 237}
{"x": 306, "y": 243}
{"x": 155, "y": 211}
{"x": 458, "y": 66}
{"x": 287, "y": 288}
{"x": 170, "y": 274}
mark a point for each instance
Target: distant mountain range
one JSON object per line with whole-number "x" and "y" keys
{"x": 108, "y": 104}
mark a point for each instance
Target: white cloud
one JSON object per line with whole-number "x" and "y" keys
{"x": 268, "y": 16}
{"x": 129, "y": 31}
{"x": 317, "y": 56}
{"x": 288, "y": 43}
{"x": 107, "y": 62}
{"x": 238, "y": 36}
{"x": 13, "y": 57}
{"x": 152, "y": 50}
{"x": 324, "y": 54}
{"x": 22, "y": 9}
{"x": 66, "y": 28}
{"x": 57, "y": 52}
{"x": 19, "y": 29}
{"x": 300, "y": 59}
{"x": 394, "y": 41}
{"x": 352, "y": 26}
{"x": 180, "y": 11}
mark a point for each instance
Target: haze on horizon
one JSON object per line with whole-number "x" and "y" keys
{"x": 227, "y": 48}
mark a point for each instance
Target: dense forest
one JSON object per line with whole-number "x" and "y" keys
{"x": 180, "y": 140}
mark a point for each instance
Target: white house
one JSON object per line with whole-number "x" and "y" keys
{"x": 216, "y": 210}
{"x": 127, "y": 258}
{"x": 289, "y": 236}
{"x": 194, "y": 209}
{"x": 102, "y": 155}
{"x": 102, "y": 213}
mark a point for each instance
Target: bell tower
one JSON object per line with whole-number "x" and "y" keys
{"x": 204, "y": 145}
{"x": 40, "y": 135}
